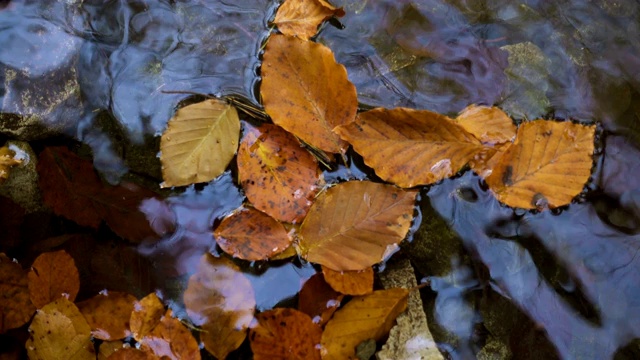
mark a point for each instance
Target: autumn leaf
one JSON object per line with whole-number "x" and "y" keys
{"x": 199, "y": 143}
{"x": 350, "y": 282}
{"x": 59, "y": 331}
{"x": 364, "y": 317}
{"x": 107, "y": 348}
{"x": 251, "y": 235}
{"x": 301, "y": 17}
{"x": 145, "y": 316}
{"x": 7, "y": 161}
{"x": 306, "y": 91}
{"x": 53, "y": 275}
{"x": 132, "y": 354}
{"x": 220, "y": 300}
{"x": 410, "y": 147}
{"x": 490, "y": 125}
{"x": 547, "y": 165}
{"x": 278, "y": 175}
{"x": 318, "y": 300}
{"x": 352, "y": 225}
{"x": 15, "y": 304}
{"x": 285, "y": 333}
{"x": 171, "y": 339}
{"x": 108, "y": 314}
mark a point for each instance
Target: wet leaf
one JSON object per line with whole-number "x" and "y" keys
{"x": 278, "y": 175}
{"x": 107, "y": 348}
{"x": 7, "y": 161}
{"x": 318, "y": 300}
{"x": 350, "y": 282}
{"x": 490, "y": 125}
{"x": 352, "y": 225}
{"x": 199, "y": 142}
{"x": 132, "y": 354}
{"x": 59, "y": 331}
{"x": 15, "y": 305}
{"x": 251, "y": 235}
{"x": 364, "y": 317}
{"x": 53, "y": 275}
{"x": 547, "y": 165}
{"x": 145, "y": 316}
{"x": 220, "y": 300}
{"x": 301, "y": 17}
{"x": 306, "y": 91}
{"x": 410, "y": 147}
{"x": 108, "y": 314}
{"x": 285, "y": 333}
{"x": 171, "y": 339}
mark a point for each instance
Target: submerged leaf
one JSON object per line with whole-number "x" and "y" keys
{"x": 318, "y": 300}
{"x": 145, "y": 316}
{"x": 285, "y": 333}
{"x": 108, "y": 314}
{"x": 350, "y": 282}
{"x": 53, "y": 275}
{"x": 199, "y": 143}
{"x": 301, "y": 17}
{"x": 352, "y": 225}
{"x": 15, "y": 304}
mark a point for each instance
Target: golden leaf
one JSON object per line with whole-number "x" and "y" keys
{"x": 490, "y": 125}
{"x": 350, "y": 282}
{"x": 301, "y": 17}
{"x": 145, "y": 316}
{"x": 108, "y": 314}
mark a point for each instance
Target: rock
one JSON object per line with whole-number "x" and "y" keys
{"x": 22, "y": 184}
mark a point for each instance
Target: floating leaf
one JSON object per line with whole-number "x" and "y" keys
{"x": 53, "y": 275}
{"x": 350, "y": 282}
{"x": 199, "y": 143}
{"x": 277, "y": 174}
{"x": 108, "y": 313}
{"x": 220, "y": 300}
{"x": 7, "y": 161}
{"x": 59, "y": 331}
{"x": 301, "y": 17}
{"x": 251, "y": 235}
{"x": 547, "y": 165}
{"x": 306, "y": 91}
{"x": 410, "y": 147}
{"x": 171, "y": 339}
{"x": 352, "y": 225}
{"x": 145, "y": 316}
{"x": 318, "y": 300}
{"x": 15, "y": 305}
{"x": 285, "y": 333}
{"x": 132, "y": 354}
{"x": 364, "y": 317}
{"x": 490, "y": 125}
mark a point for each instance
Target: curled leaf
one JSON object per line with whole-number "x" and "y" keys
{"x": 53, "y": 275}
{"x": 302, "y": 17}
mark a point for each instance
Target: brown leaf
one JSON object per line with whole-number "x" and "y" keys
{"x": 6, "y": 163}
{"x": 302, "y": 17}
{"x": 171, "y": 339}
{"x": 364, "y": 317}
{"x": 251, "y": 235}
{"x": 59, "y": 331}
{"x": 53, "y": 275}
{"x": 490, "y": 125}
{"x": 318, "y": 300}
{"x": 410, "y": 147}
{"x": 352, "y": 225}
{"x": 199, "y": 142}
{"x": 145, "y": 316}
{"x": 108, "y": 314}
{"x": 284, "y": 333}
{"x": 219, "y": 299}
{"x": 107, "y": 348}
{"x": 15, "y": 305}
{"x": 306, "y": 91}
{"x": 132, "y": 354}
{"x": 547, "y": 165}
{"x": 350, "y": 282}
{"x": 277, "y": 174}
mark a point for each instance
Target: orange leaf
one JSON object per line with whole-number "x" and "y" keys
{"x": 107, "y": 348}
{"x": 146, "y": 315}
{"x": 108, "y": 314}
{"x": 171, "y": 339}
{"x": 15, "y": 305}
{"x": 490, "y": 125}
{"x": 352, "y": 225}
{"x": 251, "y": 235}
{"x": 59, "y": 331}
{"x": 285, "y": 334}
{"x": 306, "y": 91}
{"x": 410, "y": 147}
{"x": 547, "y": 165}
{"x": 318, "y": 300}
{"x": 53, "y": 275}
{"x": 363, "y": 318}
{"x": 277, "y": 174}
{"x": 7, "y": 161}
{"x": 220, "y": 299}
{"x": 302, "y": 17}
{"x": 350, "y": 282}
{"x": 132, "y": 354}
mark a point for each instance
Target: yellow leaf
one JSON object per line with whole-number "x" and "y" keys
{"x": 145, "y": 316}
{"x": 547, "y": 165}
{"x": 490, "y": 125}
{"x": 199, "y": 143}
{"x": 170, "y": 339}
{"x": 363, "y": 318}
{"x": 350, "y": 282}
{"x": 301, "y": 17}
{"x": 410, "y": 147}
{"x": 352, "y": 225}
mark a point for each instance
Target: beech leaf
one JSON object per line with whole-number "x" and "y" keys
{"x": 145, "y": 316}
{"x": 132, "y": 354}
{"x": 352, "y": 225}
{"x": 306, "y": 91}
{"x": 199, "y": 142}
{"x": 108, "y": 314}
{"x": 301, "y": 17}
{"x": 170, "y": 339}
{"x": 15, "y": 304}
{"x": 53, "y": 275}
{"x": 490, "y": 125}
{"x": 318, "y": 300}
{"x": 547, "y": 166}
{"x": 350, "y": 282}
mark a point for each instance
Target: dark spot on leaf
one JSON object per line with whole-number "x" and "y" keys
{"x": 507, "y": 176}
